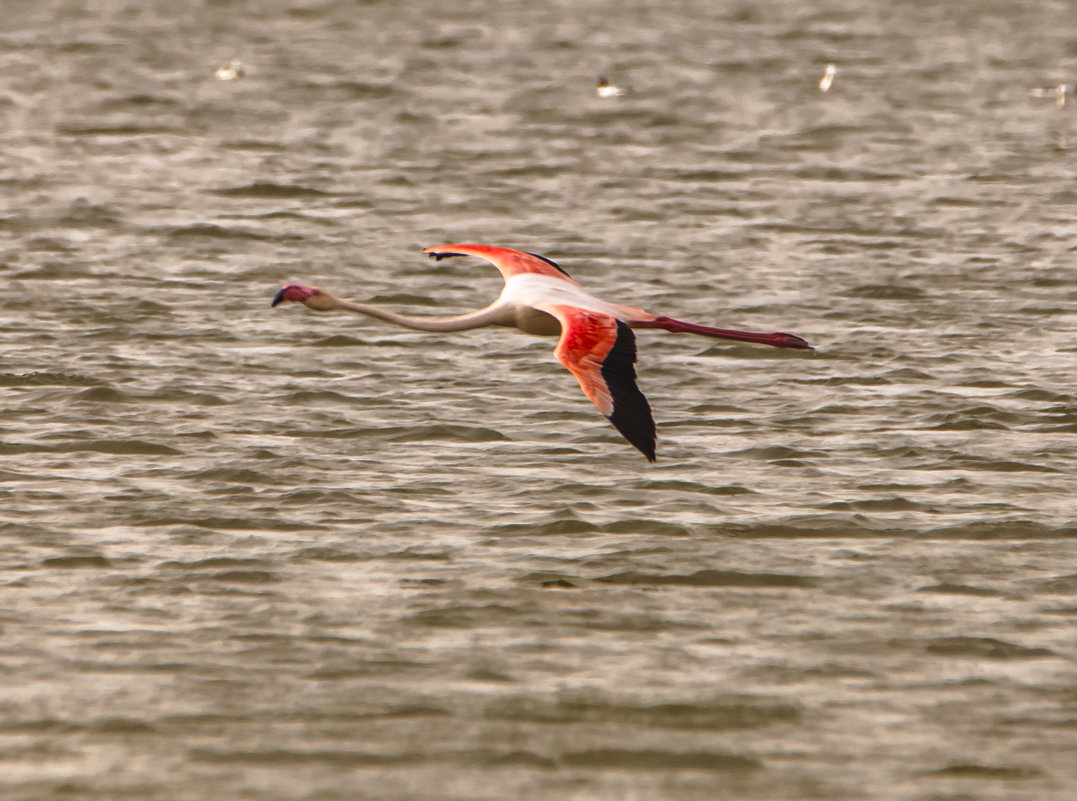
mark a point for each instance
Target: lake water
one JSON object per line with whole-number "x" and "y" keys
{"x": 267, "y": 554}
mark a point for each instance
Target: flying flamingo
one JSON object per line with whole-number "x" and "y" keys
{"x": 596, "y": 341}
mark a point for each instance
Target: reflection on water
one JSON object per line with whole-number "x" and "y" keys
{"x": 285, "y": 556}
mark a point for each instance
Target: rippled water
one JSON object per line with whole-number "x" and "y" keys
{"x": 276, "y": 555}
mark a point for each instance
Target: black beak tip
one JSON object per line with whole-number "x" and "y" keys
{"x": 278, "y": 298}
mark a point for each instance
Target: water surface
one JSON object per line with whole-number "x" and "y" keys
{"x": 277, "y": 555}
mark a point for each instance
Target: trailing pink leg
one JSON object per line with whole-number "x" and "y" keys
{"x": 776, "y": 339}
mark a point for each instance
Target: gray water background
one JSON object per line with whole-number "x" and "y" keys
{"x": 255, "y": 554}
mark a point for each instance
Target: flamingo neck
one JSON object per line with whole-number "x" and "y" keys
{"x": 491, "y": 315}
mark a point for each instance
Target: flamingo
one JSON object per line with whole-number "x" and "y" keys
{"x": 595, "y": 342}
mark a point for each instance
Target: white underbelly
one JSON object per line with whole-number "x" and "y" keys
{"x": 524, "y": 292}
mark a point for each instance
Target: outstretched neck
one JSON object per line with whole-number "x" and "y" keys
{"x": 491, "y": 315}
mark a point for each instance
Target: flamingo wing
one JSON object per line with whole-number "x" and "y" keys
{"x": 510, "y": 262}
{"x": 600, "y": 351}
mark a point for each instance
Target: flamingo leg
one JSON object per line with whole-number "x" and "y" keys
{"x": 776, "y": 339}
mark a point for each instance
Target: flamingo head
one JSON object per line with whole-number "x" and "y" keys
{"x": 310, "y": 296}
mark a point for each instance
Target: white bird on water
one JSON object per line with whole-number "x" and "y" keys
{"x": 603, "y": 88}
{"x": 230, "y": 71}
{"x": 828, "y": 78}
{"x": 1060, "y": 93}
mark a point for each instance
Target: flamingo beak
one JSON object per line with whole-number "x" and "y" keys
{"x": 278, "y": 298}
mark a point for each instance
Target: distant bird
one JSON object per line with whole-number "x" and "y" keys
{"x": 603, "y": 88}
{"x": 1060, "y": 93}
{"x": 230, "y": 71}
{"x": 828, "y": 78}
{"x": 596, "y": 341}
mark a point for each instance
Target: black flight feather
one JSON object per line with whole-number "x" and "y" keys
{"x": 550, "y": 262}
{"x": 631, "y": 412}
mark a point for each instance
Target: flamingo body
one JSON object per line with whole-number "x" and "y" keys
{"x": 596, "y": 342}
